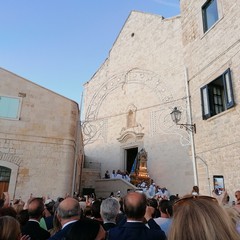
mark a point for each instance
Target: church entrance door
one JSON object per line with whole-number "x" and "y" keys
{"x": 131, "y": 154}
{"x": 5, "y": 174}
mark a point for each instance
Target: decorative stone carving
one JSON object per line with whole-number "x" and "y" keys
{"x": 119, "y": 81}
{"x": 161, "y": 123}
{"x": 8, "y": 157}
{"x": 133, "y": 133}
{"x": 94, "y": 130}
{"x": 131, "y": 116}
{"x": 133, "y": 129}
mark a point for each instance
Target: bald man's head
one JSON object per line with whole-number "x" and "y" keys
{"x": 135, "y": 205}
{"x": 69, "y": 208}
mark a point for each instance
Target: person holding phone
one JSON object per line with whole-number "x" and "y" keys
{"x": 237, "y": 196}
{"x": 218, "y": 183}
{"x": 237, "y": 203}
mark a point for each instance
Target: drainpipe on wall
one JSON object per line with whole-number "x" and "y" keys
{"x": 208, "y": 177}
{"x": 15, "y": 187}
{"x": 81, "y": 167}
{"x": 77, "y": 152}
{"x": 189, "y": 116}
{"x": 76, "y": 157}
{"x": 80, "y": 155}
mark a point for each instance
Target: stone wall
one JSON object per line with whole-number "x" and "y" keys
{"x": 88, "y": 178}
{"x": 207, "y": 56}
{"x": 42, "y": 143}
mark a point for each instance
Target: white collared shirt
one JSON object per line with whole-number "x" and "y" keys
{"x": 68, "y": 223}
{"x": 33, "y": 220}
{"x": 132, "y": 221}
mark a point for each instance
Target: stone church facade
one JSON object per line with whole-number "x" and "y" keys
{"x": 128, "y": 103}
{"x": 40, "y": 145}
{"x": 151, "y": 67}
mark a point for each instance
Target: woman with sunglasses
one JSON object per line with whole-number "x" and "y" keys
{"x": 201, "y": 218}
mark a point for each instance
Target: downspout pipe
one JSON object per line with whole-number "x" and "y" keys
{"x": 77, "y": 152}
{"x": 189, "y": 117}
{"x": 208, "y": 176}
{"x": 76, "y": 157}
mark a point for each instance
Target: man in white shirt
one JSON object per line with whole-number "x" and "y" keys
{"x": 165, "y": 221}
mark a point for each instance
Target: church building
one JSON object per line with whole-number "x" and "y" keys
{"x": 188, "y": 63}
{"x": 129, "y": 100}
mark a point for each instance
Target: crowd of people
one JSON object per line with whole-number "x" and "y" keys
{"x": 150, "y": 190}
{"x": 133, "y": 216}
{"x": 117, "y": 175}
{"x": 153, "y": 191}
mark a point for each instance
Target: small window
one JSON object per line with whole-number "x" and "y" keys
{"x": 210, "y": 14}
{"x": 5, "y": 174}
{"x": 9, "y": 107}
{"x": 217, "y": 96}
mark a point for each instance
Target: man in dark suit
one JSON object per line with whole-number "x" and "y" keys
{"x": 32, "y": 227}
{"x": 135, "y": 206}
{"x": 68, "y": 213}
{"x": 109, "y": 210}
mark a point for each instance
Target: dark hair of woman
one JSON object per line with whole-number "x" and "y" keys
{"x": 23, "y": 217}
{"x": 8, "y": 211}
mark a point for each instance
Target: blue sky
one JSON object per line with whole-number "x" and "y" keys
{"x": 60, "y": 44}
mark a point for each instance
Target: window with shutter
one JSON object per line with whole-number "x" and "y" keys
{"x": 217, "y": 96}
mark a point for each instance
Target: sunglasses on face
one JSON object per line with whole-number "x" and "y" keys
{"x": 184, "y": 199}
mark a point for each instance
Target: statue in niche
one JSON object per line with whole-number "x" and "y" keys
{"x": 132, "y": 128}
{"x": 131, "y": 119}
{"x": 139, "y": 172}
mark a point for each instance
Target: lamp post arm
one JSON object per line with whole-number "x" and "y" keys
{"x": 189, "y": 127}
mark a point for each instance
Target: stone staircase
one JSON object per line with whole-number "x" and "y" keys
{"x": 91, "y": 181}
{"x": 104, "y": 187}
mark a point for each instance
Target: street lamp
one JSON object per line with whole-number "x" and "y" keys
{"x": 176, "y": 117}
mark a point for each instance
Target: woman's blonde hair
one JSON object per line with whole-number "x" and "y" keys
{"x": 10, "y": 228}
{"x": 233, "y": 214}
{"x": 201, "y": 218}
